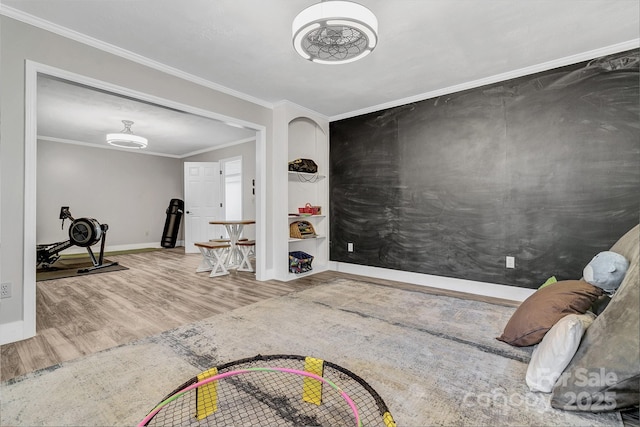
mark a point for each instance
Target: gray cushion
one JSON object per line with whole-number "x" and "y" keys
{"x": 604, "y": 375}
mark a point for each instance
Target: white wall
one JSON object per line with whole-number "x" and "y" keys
{"x": 19, "y": 43}
{"x": 128, "y": 191}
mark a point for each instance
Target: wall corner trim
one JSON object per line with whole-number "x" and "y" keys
{"x": 12, "y": 332}
{"x": 304, "y": 110}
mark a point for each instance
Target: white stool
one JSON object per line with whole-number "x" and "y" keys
{"x": 246, "y": 249}
{"x": 252, "y": 252}
{"x": 213, "y": 254}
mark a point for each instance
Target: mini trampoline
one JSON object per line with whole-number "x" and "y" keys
{"x": 276, "y": 390}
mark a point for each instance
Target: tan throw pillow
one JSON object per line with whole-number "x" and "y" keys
{"x": 538, "y": 313}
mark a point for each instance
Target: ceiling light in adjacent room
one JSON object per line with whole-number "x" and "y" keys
{"x": 335, "y": 32}
{"x": 126, "y": 138}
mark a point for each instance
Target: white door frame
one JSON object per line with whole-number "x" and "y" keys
{"x": 223, "y": 185}
{"x": 32, "y": 69}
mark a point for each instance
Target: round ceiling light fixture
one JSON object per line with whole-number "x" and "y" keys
{"x": 335, "y": 32}
{"x": 126, "y": 138}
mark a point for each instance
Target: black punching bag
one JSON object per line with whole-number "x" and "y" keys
{"x": 172, "y": 223}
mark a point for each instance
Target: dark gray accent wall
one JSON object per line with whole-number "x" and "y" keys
{"x": 545, "y": 168}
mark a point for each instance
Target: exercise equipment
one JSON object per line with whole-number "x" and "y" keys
{"x": 83, "y": 232}
{"x": 172, "y": 223}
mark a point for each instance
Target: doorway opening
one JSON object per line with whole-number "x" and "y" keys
{"x": 231, "y": 171}
{"x": 33, "y": 69}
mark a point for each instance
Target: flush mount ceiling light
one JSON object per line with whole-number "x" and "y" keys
{"x": 126, "y": 138}
{"x": 335, "y": 32}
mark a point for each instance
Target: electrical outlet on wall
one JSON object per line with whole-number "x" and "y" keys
{"x": 510, "y": 262}
{"x": 349, "y": 247}
{"x": 5, "y": 290}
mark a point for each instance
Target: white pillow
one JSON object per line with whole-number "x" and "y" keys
{"x": 555, "y": 351}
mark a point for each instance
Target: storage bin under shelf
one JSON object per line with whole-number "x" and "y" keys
{"x": 316, "y": 269}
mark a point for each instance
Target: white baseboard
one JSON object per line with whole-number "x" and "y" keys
{"x": 12, "y": 332}
{"x": 512, "y": 293}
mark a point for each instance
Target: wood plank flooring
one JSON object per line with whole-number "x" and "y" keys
{"x": 78, "y": 316}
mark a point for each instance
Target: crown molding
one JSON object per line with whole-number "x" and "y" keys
{"x": 98, "y": 44}
{"x": 301, "y": 109}
{"x": 561, "y": 62}
{"x": 145, "y": 151}
{"x": 123, "y": 53}
{"x": 218, "y": 147}
{"x": 105, "y": 147}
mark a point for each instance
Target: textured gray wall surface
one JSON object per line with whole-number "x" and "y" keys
{"x": 545, "y": 168}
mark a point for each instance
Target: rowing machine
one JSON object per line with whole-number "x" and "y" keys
{"x": 83, "y": 232}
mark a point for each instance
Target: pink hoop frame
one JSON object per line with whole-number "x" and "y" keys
{"x": 173, "y": 397}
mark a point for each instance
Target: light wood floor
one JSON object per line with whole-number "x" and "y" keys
{"x": 82, "y": 315}
{"x": 160, "y": 291}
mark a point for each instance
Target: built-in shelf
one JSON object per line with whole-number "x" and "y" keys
{"x": 292, "y": 239}
{"x": 301, "y": 216}
{"x": 305, "y": 177}
{"x": 316, "y": 269}
{"x": 306, "y": 138}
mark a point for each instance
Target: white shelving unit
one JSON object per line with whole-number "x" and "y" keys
{"x": 307, "y": 140}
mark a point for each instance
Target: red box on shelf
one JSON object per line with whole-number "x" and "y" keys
{"x": 308, "y": 209}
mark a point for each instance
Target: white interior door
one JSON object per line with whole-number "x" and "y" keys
{"x": 202, "y": 203}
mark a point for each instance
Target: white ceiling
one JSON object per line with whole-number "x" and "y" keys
{"x": 72, "y": 113}
{"x": 426, "y": 47}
